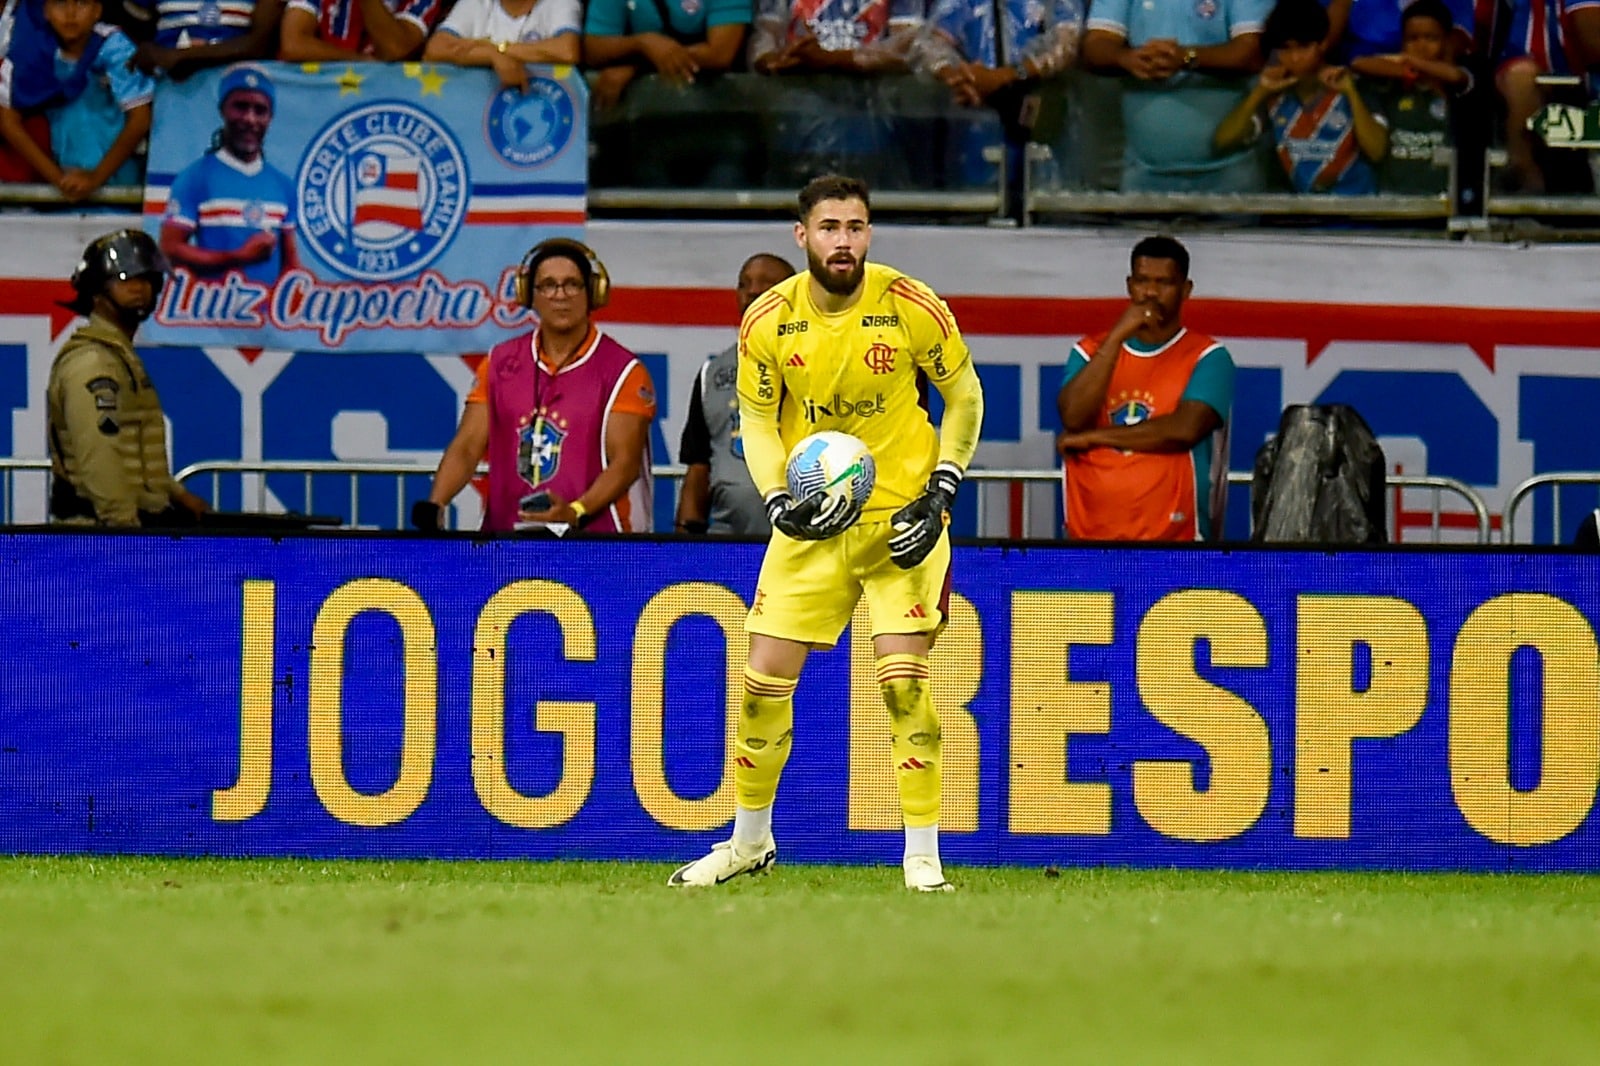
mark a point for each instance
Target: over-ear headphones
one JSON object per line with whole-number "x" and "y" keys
{"x": 589, "y": 265}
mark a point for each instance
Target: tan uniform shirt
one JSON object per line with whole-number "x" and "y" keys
{"x": 107, "y": 436}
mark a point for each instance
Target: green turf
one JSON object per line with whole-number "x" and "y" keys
{"x": 153, "y": 960}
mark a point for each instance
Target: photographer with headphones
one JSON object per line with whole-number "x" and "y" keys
{"x": 562, "y": 413}
{"x": 108, "y": 441}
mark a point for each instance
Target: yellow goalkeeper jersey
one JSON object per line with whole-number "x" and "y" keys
{"x": 801, "y": 371}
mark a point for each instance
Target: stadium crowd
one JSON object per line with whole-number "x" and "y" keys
{"x": 1315, "y": 96}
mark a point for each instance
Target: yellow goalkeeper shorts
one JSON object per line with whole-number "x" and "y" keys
{"x": 809, "y": 588}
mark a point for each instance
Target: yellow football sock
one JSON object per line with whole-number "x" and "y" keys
{"x": 761, "y": 743}
{"x": 903, "y": 680}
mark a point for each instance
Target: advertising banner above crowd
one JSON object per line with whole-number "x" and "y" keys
{"x": 353, "y": 207}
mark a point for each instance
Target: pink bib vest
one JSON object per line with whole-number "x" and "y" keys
{"x": 547, "y": 431}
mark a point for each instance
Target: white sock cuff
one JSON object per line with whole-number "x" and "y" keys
{"x": 922, "y": 840}
{"x": 751, "y": 829}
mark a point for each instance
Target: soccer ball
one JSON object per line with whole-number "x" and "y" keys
{"x": 834, "y": 463}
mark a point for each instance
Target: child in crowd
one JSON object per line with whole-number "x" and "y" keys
{"x": 12, "y": 166}
{"x": 1327, "y": 138}
{"x": 64, "y": 63}
{"x": 1415, "y": 89}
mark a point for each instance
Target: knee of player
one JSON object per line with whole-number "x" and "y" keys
{"x": 906, "y": 697}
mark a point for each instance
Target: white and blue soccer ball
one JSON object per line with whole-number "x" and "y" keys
{"x": 834, "y": 463}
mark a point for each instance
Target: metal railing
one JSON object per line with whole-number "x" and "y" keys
{"x": 38, "y": 194}
{"x": 1398, "y": 483}
{"x": 1011, "y": 516}
{"x": 1387, "y": 207}
{"x": 254, "y": 474}
{"x": 254, "y": 489}
{"x": 9, "y": 469}
{"x": 1525, "y": 490}
{"x": 1017, "y": 508}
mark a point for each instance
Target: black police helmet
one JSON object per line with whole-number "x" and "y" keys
{"x": 127, "y": 253}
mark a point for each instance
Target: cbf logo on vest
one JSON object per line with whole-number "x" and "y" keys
{"x": 382, "y": 190}
{"x": 539, "y": 448}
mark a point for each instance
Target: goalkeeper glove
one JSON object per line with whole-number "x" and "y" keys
{"x": 918, "y": 524}
{"x": 817, "y": 517}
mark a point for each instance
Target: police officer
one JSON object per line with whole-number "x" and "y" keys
{"x": 108, "y": 443}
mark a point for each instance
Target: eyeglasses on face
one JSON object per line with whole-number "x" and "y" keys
{"x": 566, "y": 287}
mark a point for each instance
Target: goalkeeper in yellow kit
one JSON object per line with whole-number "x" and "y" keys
{"x": 841, "y": 347}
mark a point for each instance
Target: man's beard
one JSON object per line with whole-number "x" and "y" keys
{"x": 838, "y": 286}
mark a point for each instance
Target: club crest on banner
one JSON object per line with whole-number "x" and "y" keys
{"x": 383, "y": 190}
{"x": 527, "y": 129}
{"x": 363, "y": 212}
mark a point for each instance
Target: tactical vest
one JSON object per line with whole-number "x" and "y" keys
{"x": 107, "y": 438}
{"x": 736, "y": 506}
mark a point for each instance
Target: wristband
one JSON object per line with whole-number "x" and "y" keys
{"x": 578, "y": 509}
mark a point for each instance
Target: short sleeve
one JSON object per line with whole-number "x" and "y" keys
{"x": 1077, "y": 359}
{"x": 466, "y": 20}
{"x": 606, "y": 18}
{"x": 480, "y": 383}
{"x": 1211, "y": 381}
{"x": 1110, "y": 16}
{"x": 420, "y": 13}
{"x": 183, "y": 201}
{"x": 558, "y": 17}
{"x": 637, "y": 393}
{"x": 1247, "y": 16}
{"x": 694, "y": 444}
{"x": 734, "y": 13}
{"x": 129, "y": 87}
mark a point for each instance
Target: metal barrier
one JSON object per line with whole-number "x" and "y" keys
{"x": 37, "y": 194}
{"x": 1398, "y": 483}
{"x": 1017, "y": 507}
{"x": 1508, "y": 524}
{"x": 254, "y": 473}
{"x": 9, "y": 469}
{"x": 1012, "y": 517}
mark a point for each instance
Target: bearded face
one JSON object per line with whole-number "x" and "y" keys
{"x": 839, "y": 273}
{"x": 835, "y": 237}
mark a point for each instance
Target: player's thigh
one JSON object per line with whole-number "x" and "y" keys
{"x": 805, "y": 591}
{"x": 907, "y": 601}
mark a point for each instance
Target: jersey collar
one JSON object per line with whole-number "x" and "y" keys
{"x": 233, "y": 162}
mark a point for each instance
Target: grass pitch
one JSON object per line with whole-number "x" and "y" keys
{"x": 158, "y": 960}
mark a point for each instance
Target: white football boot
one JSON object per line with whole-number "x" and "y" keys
{"x": 924, "y": 874}
{"x": 724, "y": 864}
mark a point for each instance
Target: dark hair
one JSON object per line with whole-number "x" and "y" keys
{"x": 1162, "y": 247}
{"x": 767, "y": 257}
{"x": 832, "y": 187}
{"x": 1295, "y": 22}
{"x": 1428, "y": 9}
{"x": 560, "y": 249}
